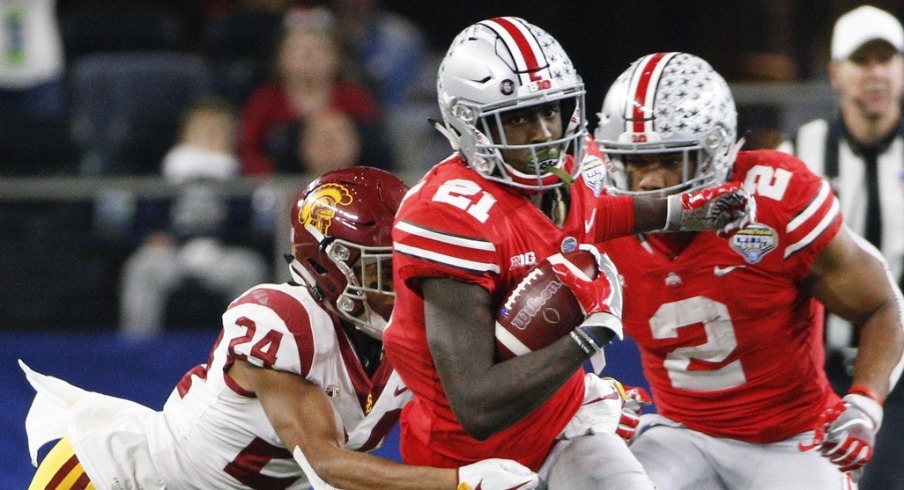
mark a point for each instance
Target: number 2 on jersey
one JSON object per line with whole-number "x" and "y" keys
{"x": 721, "y": 341}
{"x": 767, "y": 181}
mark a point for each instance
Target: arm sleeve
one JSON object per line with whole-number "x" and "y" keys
{"x": 616, "y": 217}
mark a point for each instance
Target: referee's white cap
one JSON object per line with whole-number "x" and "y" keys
{"x": 864, "y": 24}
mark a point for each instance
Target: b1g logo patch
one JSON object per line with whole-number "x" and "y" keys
{"x": 754, "y": 242}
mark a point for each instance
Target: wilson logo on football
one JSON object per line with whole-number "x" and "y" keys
{"x": 541, "y": 308}
{"x": 534, "y": 305}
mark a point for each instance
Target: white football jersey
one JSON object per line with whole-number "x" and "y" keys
{"x": 212, "y": 431}
{"x": 213, "y": 434}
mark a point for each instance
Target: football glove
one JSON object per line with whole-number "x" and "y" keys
{"x": 636, "y": 399}
{"x": 846, "y": 432}
{"x": 600, "y": 411}
{"x": 496, "y": 474}
{"x": 600, "y": 298}
{"x": 725, "y": 208}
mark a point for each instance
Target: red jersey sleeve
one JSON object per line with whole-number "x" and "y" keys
{"x": 437, "y": 241}
{"x": 788, "y": 192}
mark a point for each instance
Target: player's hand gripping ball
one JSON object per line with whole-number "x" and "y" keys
{"x": 541, "y": 308}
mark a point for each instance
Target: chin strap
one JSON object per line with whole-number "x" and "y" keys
{"x": 733, "y": 152}
{"x": 445, "y": 131}
{"x": 564, "y": 176}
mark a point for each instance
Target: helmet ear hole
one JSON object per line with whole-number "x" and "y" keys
{"x": 320, "y": 269}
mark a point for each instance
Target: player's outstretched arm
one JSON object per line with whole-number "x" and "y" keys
{"x": 304, "y": 419}
{"x": 724, "y": 208}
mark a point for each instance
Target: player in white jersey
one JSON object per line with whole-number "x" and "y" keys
{"x": 730, "y": 331}
{"x": 294, "y": 390}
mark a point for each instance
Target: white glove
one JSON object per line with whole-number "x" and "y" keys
{"x": 601, "y": 410}
{"x": 636, "y": 399}
{"x": 724, "y": 207}
{"x": 846, "y": 432}
{"x": 496, "y": 474}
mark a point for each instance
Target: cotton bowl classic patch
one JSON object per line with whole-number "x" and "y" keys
{"x": 754, "y": 242}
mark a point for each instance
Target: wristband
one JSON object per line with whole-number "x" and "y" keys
{"x": 673, "y": 213}
{"x": 583, "y": 343}
{"x": 593, "y": 337}
{"x": 867, "y": 392}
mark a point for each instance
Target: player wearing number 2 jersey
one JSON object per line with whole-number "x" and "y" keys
{"x": 730, "y": 332}
{"x": 295, "y": 387}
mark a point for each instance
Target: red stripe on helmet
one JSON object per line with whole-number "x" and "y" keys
{"x": 640, "y": 94}
{"x": 530, "y": 59}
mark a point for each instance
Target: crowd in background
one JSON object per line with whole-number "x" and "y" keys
{"x": 94, "y": 88}
{"x": 113, "y": 80}
{"x": 89, "y": 97}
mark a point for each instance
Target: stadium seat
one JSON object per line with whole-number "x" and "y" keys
{"x": 98, "y": 27}
{"x": 240, "y": 47}
{"x": 127, "y": 107}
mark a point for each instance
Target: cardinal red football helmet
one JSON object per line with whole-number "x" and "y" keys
{"x": 342, "y": 244}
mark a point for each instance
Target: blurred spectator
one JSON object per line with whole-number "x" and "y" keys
{"x": 309, "y": 78}
{"x": 31, "y": 59}
{"x": 331, "y": 143}
{"x": 390, "y": 48}
{"x": 393, "y": 54}
{"x": 239, "y": 41}
{"x": 191, "y": 248}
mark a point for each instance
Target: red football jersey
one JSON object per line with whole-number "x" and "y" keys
{"x": 730, "y": 343}
{"x": 456, "y": 224}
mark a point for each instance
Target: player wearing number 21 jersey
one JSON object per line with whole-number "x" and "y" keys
{"x": 517, "y": 190}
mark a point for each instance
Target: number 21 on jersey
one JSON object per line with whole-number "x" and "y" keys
{"x": 467, "y": 196}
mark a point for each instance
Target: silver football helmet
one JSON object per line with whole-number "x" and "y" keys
{"x": 506, "y": 64}
{"x": 669, "y": 103}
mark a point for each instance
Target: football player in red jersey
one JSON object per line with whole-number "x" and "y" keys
{"x": 295, "y": 388}
{"x": 730, "y": 332}
{"x": 516, "y": 191}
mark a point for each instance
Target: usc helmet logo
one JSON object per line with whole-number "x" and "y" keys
{"x": 320, "y": 206}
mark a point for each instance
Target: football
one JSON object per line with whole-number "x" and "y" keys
{"x": 540, "y": 309}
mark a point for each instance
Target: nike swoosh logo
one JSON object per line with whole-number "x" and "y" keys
{"x": 721, "y": 271}
{"x": 589, "y": 223}
{"x": 480, "y": 486}
{"x": 610, "y": 396}
{"x": 516, "y": 487}
{"x": 400, "y": 390}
